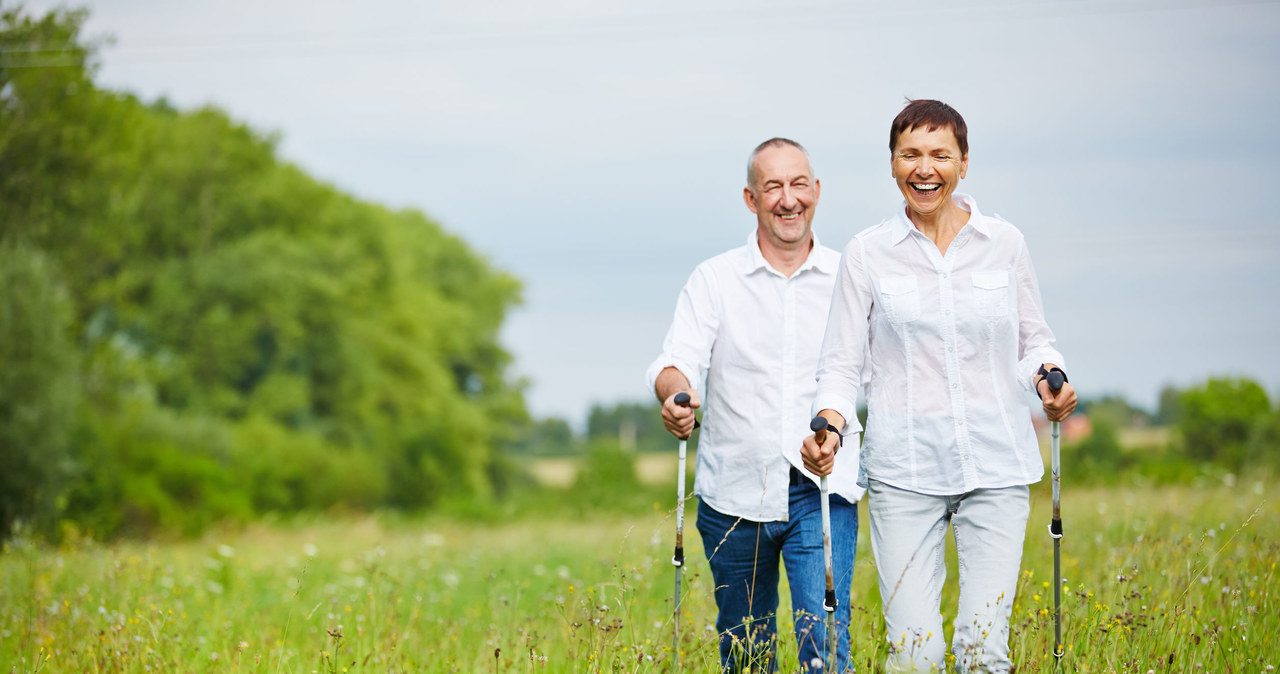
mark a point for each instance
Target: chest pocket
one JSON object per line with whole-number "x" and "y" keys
{"x": 991, "y": 293}
{"x": 900, "y": 296}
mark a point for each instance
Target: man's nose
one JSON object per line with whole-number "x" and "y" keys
{"x": 788, "y": 197}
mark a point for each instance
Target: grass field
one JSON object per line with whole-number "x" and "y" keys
{"x": 1167, "y": 580}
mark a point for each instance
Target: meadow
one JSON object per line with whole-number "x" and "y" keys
{"x": 1163, "y": 579}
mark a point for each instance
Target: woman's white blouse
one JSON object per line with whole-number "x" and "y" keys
{"x": 947, "y": 347}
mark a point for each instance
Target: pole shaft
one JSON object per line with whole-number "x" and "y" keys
{"x": 829, "y": 600}
{"x": 1055, "y": 530}
{"x": 678, "y": 558}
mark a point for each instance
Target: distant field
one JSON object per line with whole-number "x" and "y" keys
{"x": 658, "y": 468}
{"x": 652, "y": 468}
{"x": 1176, "y": 579}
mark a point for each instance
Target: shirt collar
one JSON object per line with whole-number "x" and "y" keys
{"x": 817, "y": 261}
{"x": 902, "y": 225}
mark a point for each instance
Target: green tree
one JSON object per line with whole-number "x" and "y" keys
{"x": 608, "y": 477}
{"x": 637, "y": 425}
{"x": 1099, "y": 455}
{"x": 211, "y": 285}
{"x": 1170, "y": 407}
{"x": 545, "y": 437}
{"x": 1264, "y": 440}
{"x": 38, "y": 391}
{"x": 1217, "y": 418}
{"x": 1115, "y": 410}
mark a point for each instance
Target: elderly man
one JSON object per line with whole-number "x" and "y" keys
{"x": 744, "y": 345}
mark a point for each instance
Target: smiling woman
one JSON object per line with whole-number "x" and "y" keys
{"x": 938, "y": 308}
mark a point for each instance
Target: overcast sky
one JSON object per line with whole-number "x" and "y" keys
{"x": 597, "y": 150}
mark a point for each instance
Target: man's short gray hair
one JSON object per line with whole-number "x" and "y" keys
{"x": 772, "y": 142}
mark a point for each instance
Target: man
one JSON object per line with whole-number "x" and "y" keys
{"x": 750, "y": 323}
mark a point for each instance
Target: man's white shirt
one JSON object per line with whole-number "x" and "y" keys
{"x": 748, "y": 339}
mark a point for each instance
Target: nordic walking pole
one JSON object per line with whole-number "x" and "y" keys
{"x": 677, "y": 559}
{"x": 1055, "y": 379}
{"x": 829, "y": 602}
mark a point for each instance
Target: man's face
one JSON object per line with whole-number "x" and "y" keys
{"x": 927, "y": 165}
{"x": 784, "y": 195}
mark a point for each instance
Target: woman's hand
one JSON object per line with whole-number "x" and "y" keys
{"x": 1057, "y": 406}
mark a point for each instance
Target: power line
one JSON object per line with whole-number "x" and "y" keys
{"x": 629, "y": 29}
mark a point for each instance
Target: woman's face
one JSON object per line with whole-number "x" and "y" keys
{"x": 927, "y": 166}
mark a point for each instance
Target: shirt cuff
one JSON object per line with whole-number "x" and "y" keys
{"x": 663, "y": 362}
{"x": 844, "y": 407}
{"x": 1032, "y": 362}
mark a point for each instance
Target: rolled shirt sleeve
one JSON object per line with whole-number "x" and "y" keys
{"x": 692, "y": 334}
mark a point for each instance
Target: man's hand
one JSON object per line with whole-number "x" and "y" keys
{"x": 679, "y": 419}
{"x": 1056, "y": 407}
{"x": 821, "y": 459}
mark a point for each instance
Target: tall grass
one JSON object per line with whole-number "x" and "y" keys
{"x": 1169, "y": 579}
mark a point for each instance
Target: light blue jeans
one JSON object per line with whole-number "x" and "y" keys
{"x": 743, "y": 556}
{"x": 908, "y": 539}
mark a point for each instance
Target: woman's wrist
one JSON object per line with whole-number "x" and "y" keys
{"x": 1043, "y": 373}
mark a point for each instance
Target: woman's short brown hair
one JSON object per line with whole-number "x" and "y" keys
{"x": 931, "y": 115}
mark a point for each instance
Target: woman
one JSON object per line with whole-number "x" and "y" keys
{"x": 937, "y": 308}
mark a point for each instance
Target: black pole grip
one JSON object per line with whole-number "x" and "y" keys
{"x": 1055, "y": 527}
{"x": 829, "y": 602}
{"x": 1055, "y": 379}
{"x": 678, "y": 558}
{"x": 682, "y": 399}
{"x": 819, "y": 427}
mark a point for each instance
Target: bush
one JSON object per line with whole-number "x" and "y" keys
{"x": 286, "y": 470}
{"x": 146, "y": 471}
{"x": 1099, "y": 455}
{"x": 607, "y": 478}
{"x": 1218, "y": 417}
{"x": 38, "y": 388}
{"x": 1264, "y": 440}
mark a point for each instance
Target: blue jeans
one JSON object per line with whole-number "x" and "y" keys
{"x": 743, "y": 556}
